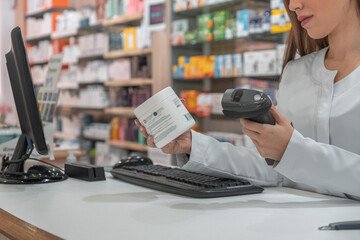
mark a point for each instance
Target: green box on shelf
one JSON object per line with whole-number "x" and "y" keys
{"x": 220, "y": 18}
{"x": 205, "y": 35}
{"x": 191, "y": 37}
{"x": 205, "y": 21}
{"x": 219, "y": 33}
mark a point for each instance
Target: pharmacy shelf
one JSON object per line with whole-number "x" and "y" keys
{"x": 71, "y": 62}
{"x": 40, "y": 63}
{"x": 228, "y": 4}
{"x": 122, "y": 111}
{"x": 64, "y": 34}
{"x": 93, "y": 138}
{"x": 130, "y": 82}
{"x": 90, "y": 57}
{"x": 128, "y": 20}
{"x": 128, "y": 145}
{"x": 90, "y": 83}
{"x": 79, "y": 108}
{"x": 270, "y": 77}
{"x": 64, "y": 135}
{"x": 67, "y": 86}
{"x": 35, "y": 40}
{"x": 127, "y": 53}
{"x": 39, "y": 13}
{"x": 98, "y": 27}
{"x": 256, "y": 37}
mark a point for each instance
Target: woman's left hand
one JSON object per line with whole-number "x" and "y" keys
{"x": 270, "y": 140}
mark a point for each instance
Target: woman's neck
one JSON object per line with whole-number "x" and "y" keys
{"x": 344, "y": 41}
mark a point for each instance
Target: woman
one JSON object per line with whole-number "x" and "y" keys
{"x": 318, "y": 94}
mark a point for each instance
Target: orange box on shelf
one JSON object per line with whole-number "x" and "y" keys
{"x": 47, "y": 5}
{"x": 190, "y": 97}
{"x": 58, "y": 45}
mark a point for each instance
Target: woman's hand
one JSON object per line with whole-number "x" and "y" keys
{"x": 270, "y": 140}
{"x": 181, "y": 144}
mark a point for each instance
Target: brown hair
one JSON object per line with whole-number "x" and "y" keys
{"x": 299, "y": 41}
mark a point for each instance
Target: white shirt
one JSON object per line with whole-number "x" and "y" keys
{"x": 323, "y": 154}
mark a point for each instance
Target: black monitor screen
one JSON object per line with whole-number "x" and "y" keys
{"x": 23, "y": 91}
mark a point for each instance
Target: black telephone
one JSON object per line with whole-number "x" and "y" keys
{"x": 250, "y": 104}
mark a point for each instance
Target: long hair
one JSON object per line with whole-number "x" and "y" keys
{"x": 299, "y": 41}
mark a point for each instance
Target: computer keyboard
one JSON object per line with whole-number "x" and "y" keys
{"x": 182, "y": 182}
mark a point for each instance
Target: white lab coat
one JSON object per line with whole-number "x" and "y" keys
{"x": 323, "y": 154}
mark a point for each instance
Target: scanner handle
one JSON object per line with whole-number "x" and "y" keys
{"x": 265, "y": 118}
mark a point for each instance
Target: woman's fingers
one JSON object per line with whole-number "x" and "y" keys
{"x": 150, "y": 141}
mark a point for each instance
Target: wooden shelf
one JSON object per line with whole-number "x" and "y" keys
{"x": 127, "y": 53}
{"x": 64, "y": 34}
{"x": 67, "y": 85}
{"x": 39, "y": 13}
{"x": 64, "y": 135}
{"x": 66, "y": 108}
{"x": 128, "y": 145}
{"x": 124, "y": 20}
{"x": 130, "y": 82}
{"x": 34, "y": 40}
{"x": 123, "y": 111}
{"x": 90, "y": 57}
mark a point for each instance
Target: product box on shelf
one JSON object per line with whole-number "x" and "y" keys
{"x": 216, "y": 107}
{"x": 190, "y": 97}
{"x": 33, "y": 6}
{"x": 220, "y": 18}
{"x": 130, "y": 38}
{"x": 280, "y": 21}
{"x": 191, "y": 37}
{"x": 179, "y": 5}
{"x": 237, "y": 65}
{"x": 205, "y": 21}
{"x": 205, "y": 35}
{"x": 227, "y": 66}
{"x": 191, "y": 4}
{"x": 199, "y": 67}
{"x": 141, "y": 66}
{"x": 219, "y": 33}
{"x": 242, "y": 21}
{"x": 178, "y": 29}
{"x": 230, "y": 29}
{"x": 203, "y": 105}
{"x": 120, "y": 69}
{"x": 259, "y": 63}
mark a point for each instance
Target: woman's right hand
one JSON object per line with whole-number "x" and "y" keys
{"x": 181, "y": 144}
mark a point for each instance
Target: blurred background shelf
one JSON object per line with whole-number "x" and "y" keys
{"x": 127, "y": 53}
{"x": 121, "y": 111}
{"x": 127, "y": 20}
{"x": 128, "y": 145}
{"x": 130, "y": 82}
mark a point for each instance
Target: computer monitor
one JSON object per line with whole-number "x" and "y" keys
{"x": 32, "y": 132}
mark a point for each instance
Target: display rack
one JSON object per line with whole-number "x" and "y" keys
{"x": 212, "y": 84}
{"x": 104, "y": 114}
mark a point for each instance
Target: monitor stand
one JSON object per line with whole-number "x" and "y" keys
{"x": 12, "y": 172}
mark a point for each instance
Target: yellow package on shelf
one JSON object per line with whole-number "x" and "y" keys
{"x": 130, "y": 38}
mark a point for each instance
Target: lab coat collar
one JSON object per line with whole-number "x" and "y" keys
{"x": 324, "y": 81}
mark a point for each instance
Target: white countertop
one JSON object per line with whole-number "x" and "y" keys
{"x": 111, "y": 209}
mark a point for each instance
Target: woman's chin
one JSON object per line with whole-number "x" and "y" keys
{"x": 315, "y": 34}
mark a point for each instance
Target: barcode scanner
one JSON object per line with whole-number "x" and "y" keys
{"x": 250, "y": 104}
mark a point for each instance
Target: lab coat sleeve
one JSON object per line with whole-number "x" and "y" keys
{"x": 322, "y": 166}
{"x": 209, "y": 156}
